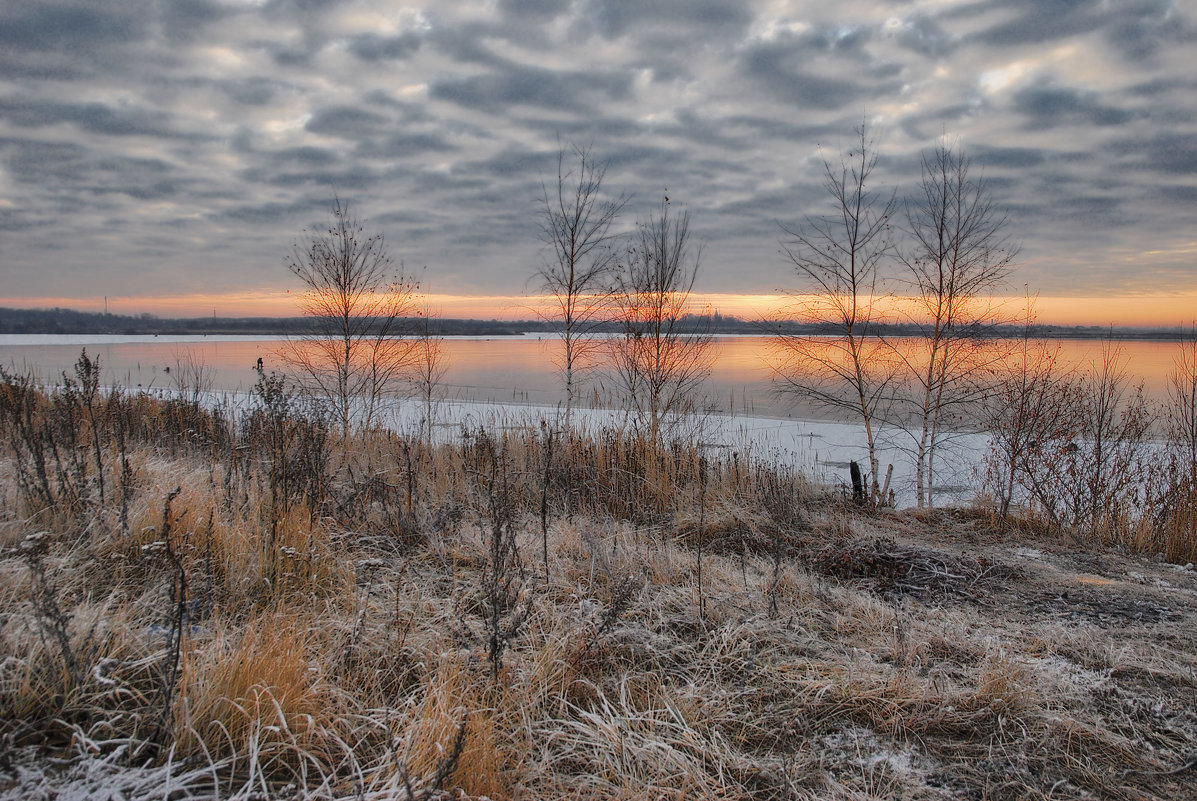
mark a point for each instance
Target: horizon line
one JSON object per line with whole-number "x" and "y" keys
{"x": 1145, "y": 310}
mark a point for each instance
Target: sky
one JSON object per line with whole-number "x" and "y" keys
{"x": 168, "y": 155}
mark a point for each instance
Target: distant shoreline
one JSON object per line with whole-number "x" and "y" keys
{"x": 77, "y": 323}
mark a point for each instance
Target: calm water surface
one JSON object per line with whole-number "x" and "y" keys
{"x": 514, "y": 369}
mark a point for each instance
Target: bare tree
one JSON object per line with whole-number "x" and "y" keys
{"x": 1086, "y": 472}
{"x": 357, "y": 302}
{"x": 576, "y": 221}
{"x": 958, "y": 256}
{"x": 1182, "y": 409}
{"x": 1030, "y": 406}
{"x": 665, "y": 351}
{"x": 837, "y": 259}
{"x": 430, "y": 363}
{"x": 191, "y": 377}
{"x": 1181, "y": 417}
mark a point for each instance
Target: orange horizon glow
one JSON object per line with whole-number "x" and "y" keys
{"x": 1158, "y": 310}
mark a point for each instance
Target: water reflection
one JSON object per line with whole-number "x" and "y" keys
{"x": 517, "y": 369}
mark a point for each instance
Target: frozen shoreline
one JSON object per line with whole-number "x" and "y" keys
{"x": 756, "y": 429}
{"x": 821, "y": 449}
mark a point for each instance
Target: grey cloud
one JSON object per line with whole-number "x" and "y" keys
{"x": 1009, "y": 157}
{"x": 779, "y": 71}
{"x": 927, "y": 124}
{"x": 543, "y": 9}
{"x": 357, "y": 177}
{"x": 614, "y": 18}
{"x": 667, "y": 69}
{"x": 1142, "y": 27}
{"x": 96, "y": 118}
{"x": 1138, "y": 28}
{"x": 72, "y": 28}
{"x": 438, "y": 182}
{"x": 1094, "y": 210}
{"x": 1179, "y": 194}
{"x": 372, "y": 47}
{"x": 519, "y": 85}
{"x": 307, "y": 156}
{"x": 783, "y": 129}
{"x": 604, "y": 130}
{"x": 348, "y": 122}
{"x": 838, "y": 40}
{"x": 185, "y": 19}
{"x": 252, "y": 91}
{"x": 1168, "y": 153}
{"x": 1049, "y": 105}
{"x": 403, "y": 145}
{"x": 1037, "y": 21}
{"x": 78, "y": 170}
{"x": 826, "y": 68}
{"x": 300, "y": 55}
{"x": 511, "y": 162}
{"x": 43, "y": 163}
{"x": 767, "y": 207}
{"x": 1160, "y": 86}
{"x": 692, "y": 125}
{"x": 274, "y": 213}
{"x": 290, "y": 8}
{"x": 924, "y": 36}
{"x": 23, "y": 68}
{"x": 465, "y": 45}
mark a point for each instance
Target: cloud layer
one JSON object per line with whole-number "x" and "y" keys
{"x": 159, "y": 147}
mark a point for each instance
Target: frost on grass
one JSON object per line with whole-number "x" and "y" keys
{"x": 290, "y": 628}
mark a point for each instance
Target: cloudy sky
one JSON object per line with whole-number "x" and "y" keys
{"x": 152, "y": 149}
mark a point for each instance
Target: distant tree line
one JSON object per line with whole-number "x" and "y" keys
{"x": 72, "y": 321}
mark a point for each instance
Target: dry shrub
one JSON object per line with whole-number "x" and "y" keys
{"x": 1178, "y": 530}
{"x": 41, "y": 699}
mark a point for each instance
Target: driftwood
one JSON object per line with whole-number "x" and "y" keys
{"x": 858, "y": 490}
{"x": 907, "y": 570}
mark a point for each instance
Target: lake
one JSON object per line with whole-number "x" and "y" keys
{"x": 504, "y": 380}
{"x": 512, "y": 370}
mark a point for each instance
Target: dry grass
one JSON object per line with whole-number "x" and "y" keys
{"x": 333, "y": 635}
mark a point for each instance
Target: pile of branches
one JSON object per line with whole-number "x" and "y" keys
{"x": 900, "y": 570}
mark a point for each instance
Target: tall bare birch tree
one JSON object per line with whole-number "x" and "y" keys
{"x": 837, "y": 259}
{"x": 357, "y": 301}
{"x": 959, "y": 255}
{"x": 576, "y": 219}
{"x": 662, "y": 357}
{"x": 430, "y": 362}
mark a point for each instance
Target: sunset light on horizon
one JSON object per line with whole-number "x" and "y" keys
{"x": 1177, "y": 310}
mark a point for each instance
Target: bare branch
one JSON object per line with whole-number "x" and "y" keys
{"x": 958, "y": 256}
{"x": 661, "y": 359}
{"x": 576, "y": 224}
{"x": 837, "y": 259}
{"x": 357, "y": 302}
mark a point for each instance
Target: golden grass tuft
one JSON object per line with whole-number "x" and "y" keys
{"x": 254, "y": 695}
{"x": 455, "y": 696}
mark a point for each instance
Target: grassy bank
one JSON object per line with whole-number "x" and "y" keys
{"x": 197, "y": 606}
